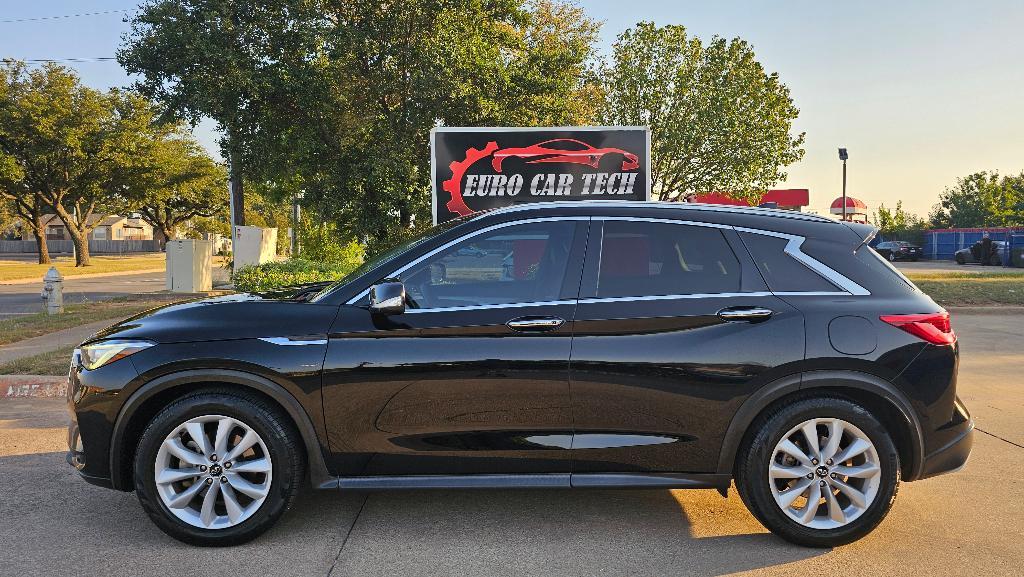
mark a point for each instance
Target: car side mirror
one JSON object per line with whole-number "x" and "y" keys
{"x": 387, "y": 297}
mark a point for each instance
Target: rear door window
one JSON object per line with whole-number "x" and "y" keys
{"x": 640, "y": 258}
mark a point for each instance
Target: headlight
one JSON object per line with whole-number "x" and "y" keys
{"x": 95, "y": 355}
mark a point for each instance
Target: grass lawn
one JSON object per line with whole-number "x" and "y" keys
{"x": 971, "y": 288}
{"x": 28, "y": 326}
{"x": 53, "y": 363}
{"x": 19, "y": 269}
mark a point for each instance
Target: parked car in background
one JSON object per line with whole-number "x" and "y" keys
{"x": 973, "y": 253}
{"x": 895, "y": 250}
{"x": 616, "y": 345}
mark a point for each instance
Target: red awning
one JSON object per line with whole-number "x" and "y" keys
{"x": 782, "y": 197}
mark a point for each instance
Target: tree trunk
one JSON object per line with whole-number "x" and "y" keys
{"x": 39, "y": 232}
{"x": 81, "y": 242}
{"x": 168, "y": 233}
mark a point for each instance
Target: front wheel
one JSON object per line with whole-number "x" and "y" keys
{"x": 819, "y": 472}
{"x": 218, "y": 468}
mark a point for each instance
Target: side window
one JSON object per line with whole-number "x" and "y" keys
{"x": 515, "y": 264}
{"x": 655, "y": 259}
{"x": 782, "y": 272}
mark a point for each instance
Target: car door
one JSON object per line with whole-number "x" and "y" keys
{"x": 473, "y": 377}
{"x": 674, "y": 329}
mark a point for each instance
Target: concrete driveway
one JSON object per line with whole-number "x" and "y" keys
{"x": 968, "y": 523}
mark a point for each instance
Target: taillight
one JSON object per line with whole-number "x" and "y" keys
{"x": 933, "y": 327}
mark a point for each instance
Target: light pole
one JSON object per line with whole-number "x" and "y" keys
{"x": 843, "y": 156}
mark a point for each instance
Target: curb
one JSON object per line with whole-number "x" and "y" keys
{"x": 89, "y": 275}
{"x": 29, "y": 386}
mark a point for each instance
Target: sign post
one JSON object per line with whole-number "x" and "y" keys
{"x": 479, "y": 168}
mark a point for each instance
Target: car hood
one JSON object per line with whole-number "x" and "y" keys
{"x": 227, "y": 317}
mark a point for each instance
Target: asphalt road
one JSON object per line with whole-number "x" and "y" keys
{"x": 18, "y": 299}
{"x": 967, "y": 523}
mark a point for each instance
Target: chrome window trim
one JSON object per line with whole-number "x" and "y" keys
{"x": 794, "y": 242}
{"x": 468, "y": 235}
{"x": 598, "y": 300}
{"x": 674, "y": 297}
{"x": 793, "y": 249}
{"x": 292, "y": 341}
{"x": 495, "y": 306}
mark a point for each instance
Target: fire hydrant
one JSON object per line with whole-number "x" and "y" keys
{"x": 53, "y": 291}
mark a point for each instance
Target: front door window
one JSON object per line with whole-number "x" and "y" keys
{"x": 514, "y": 264}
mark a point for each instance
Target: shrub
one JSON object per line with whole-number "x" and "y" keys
{"x": 296, "y": 271}
{"x": 321, "y": 242}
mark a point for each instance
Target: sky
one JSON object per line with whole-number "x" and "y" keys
{"x": 920, "y": 92}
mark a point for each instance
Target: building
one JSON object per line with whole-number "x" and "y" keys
{"x": 108, "y": 227}
{"x": 856, "y": 210}
{"x": 787, "y": 199}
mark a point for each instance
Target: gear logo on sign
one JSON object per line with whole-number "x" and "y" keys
{"x": 453, "y": 185}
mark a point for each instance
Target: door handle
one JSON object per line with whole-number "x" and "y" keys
{"x": 535, "y": 323}
{"x": 745, "y": 314}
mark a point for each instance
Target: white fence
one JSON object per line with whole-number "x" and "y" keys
{"x": 95, "y": 246}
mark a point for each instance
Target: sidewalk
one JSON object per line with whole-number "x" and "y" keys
{"x": 51, "y": 342}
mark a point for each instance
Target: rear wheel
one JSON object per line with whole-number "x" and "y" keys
{"x": 960, "y": 259}
{"x": 218, "y": 468}
{"x": 819, "y": 472}
{"x": 892, "y": 257}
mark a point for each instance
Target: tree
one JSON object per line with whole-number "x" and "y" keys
{"x": 982, "y": 199}
{"x": 210, "y": 59}
{"x": 71, "y": 147}
{"x": 177, "y": 182}
{"x": 336, "y": 98}
{"x": 21, "y": 196}
{"x": 899, "y": 224}
{"x": 719, "y": 122}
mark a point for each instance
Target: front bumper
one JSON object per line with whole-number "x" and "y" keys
{"x": 93, "y": 404}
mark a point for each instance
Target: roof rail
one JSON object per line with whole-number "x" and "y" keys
{"x": 696, "y": 206}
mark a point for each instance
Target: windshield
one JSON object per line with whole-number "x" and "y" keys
{"x": 389, "y": 255}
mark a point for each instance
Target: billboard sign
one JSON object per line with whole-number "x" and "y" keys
{"x": 481, "y": 168}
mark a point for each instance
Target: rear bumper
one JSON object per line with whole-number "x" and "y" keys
{"x": 952, "y": 456}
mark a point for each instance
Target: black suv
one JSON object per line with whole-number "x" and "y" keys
{"x": 572, "y": 344}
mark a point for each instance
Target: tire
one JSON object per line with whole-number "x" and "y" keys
{"x": 960, "y": 260}
{"x": 761, "y": 450}
{"x": 274, "y": 467}
{"x": 892, "y": 257}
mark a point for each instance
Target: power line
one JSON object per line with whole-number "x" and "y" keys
{"x": 59, "y": 60}
{"x": 63, "y": 16}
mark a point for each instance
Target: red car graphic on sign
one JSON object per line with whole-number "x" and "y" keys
{"x": 564, "y": 150}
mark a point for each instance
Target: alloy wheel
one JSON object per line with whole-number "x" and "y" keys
{"x": 824, "y": 473}
{"x": 213, "y": 472}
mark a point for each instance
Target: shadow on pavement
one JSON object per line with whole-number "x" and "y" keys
{"x": 55, "y": 523}
{"x": 559, "y": 532}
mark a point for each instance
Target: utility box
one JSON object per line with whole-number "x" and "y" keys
{"x": 254, "y": 245}
{"x": 189, "y": 266}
